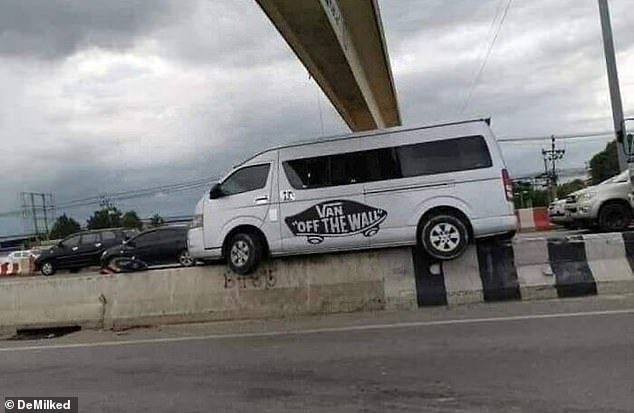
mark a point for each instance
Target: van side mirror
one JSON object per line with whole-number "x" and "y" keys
{"x": 216, "y": 192}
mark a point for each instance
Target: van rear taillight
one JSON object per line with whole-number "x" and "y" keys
{"x": 508, "y": 185}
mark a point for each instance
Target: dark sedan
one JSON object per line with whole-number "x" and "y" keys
{"x": 80, "y": 250}
{"x": 163, "y": 245}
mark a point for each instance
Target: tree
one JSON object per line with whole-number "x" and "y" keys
{"x": 569, "y": 187}
{"x": 131, "y": 220}
{"x": 107, "y": 217}
{"x": 63, "y": 227}
{"x": 604, "y": 164}
{"x": 156, "y": 221}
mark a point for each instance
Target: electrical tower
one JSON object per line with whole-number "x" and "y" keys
{"x": 38, "y": 209}
{"x": 552, "y": 155}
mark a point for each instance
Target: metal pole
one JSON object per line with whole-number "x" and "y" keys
{"x": 554, "y": 166}
{"x": 45, "y": 213}
{"x": 613, "y": 80}
{"x": 37, "y": 232}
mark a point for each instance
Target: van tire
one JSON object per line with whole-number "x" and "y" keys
{"x": 444, "y": 236}
{"x": 615, "y": 217}
{"x": 244, "y": 253}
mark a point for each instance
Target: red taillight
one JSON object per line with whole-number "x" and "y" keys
{"x": 508, "y": 185}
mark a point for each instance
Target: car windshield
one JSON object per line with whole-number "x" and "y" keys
{"x": 622, "y": 177}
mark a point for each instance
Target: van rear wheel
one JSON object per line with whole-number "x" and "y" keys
{"x": 244, "y": 253}
{"x": 444, "y": 236}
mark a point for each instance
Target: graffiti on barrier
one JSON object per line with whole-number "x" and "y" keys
{"x": 256, "y": 281}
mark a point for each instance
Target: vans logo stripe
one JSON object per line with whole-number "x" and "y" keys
{"x": 338, "y": 218}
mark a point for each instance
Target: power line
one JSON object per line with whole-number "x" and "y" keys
{"x": 582, "y": 135}
{"x": 476, "y": 79}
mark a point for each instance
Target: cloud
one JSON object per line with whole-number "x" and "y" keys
{"x": 56, "y": 29}
{"x": 102, "y": 97}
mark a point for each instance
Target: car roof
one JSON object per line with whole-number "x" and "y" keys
{"x": 373, "y": 132}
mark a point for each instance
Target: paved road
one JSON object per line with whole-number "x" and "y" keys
{"x": 558, "y": 356}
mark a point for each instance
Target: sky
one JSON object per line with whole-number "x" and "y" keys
{"x": 104, "y": 97}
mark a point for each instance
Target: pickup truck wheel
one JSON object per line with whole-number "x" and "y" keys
{"x": 615, "y": 217}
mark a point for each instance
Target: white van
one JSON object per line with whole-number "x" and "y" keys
{"x": 440, "y": 186}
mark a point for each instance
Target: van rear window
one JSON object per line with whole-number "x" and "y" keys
{"x": 449, "y": 155}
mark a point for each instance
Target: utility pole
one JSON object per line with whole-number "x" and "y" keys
{"x": 552, "y": 156}
{"x": 613, "y": 81}
{"x": 37, "y": 207}
{"x": 45, "y": 213}
{"x": 34, "y": 213}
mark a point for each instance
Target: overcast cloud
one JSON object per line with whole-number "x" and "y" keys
{"x": 101, "y": 97}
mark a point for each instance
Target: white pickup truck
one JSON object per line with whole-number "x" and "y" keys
{"x": 605, "y": 206}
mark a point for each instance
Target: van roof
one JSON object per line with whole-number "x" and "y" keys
{"x": 373, "y": 132}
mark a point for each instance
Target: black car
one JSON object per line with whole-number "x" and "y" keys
{"x": 163, "y": 245}
{"x": 82, "y": 249}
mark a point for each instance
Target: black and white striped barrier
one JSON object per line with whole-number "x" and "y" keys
{"x": 534, "y": 268}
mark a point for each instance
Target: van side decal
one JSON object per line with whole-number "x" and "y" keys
{"x": 339, "y": 218}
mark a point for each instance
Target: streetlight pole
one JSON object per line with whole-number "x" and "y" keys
{"x": 613, "y": 80}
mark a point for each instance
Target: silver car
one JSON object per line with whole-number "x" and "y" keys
{"x": 605, "y": 206}
{"x": 557, "y": 214}
{"x": 439, "y": 186}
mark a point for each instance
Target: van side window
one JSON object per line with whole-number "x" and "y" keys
{"x": 246, "y": 179}
{"x": 308, "y": 172}
{"x": 382, "y": 164}
{"x": 448, "y": 155}
{"x": 443, "y": 156}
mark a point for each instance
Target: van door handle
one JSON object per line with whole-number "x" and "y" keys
{"x": 262, "y": 199}
{"x": 75, "y": 248}
{"x": 98, "y": 244}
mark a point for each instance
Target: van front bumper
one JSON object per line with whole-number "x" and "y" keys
{"x": 196, "y": 246}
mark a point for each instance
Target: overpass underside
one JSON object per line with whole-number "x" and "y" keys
{"x": 341, "y": 43}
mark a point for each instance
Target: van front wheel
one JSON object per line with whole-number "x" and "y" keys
{"x": 444, "y": 237}
{"x": 244, "y": 253}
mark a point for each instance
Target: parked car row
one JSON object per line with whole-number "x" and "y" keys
{"x": 606, "y": 206}
{"x": 98, "y": 247}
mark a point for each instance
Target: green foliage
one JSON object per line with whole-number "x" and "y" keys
{"x": 569, "y": 187}
{"x": 131, "y": 220}
{"x": 63, "y": 227}
{"x": 525, "y": 196}
{"x": 107, "y": 217}
{"x": 604, "y": 164}
{"x": 156, "y": 221}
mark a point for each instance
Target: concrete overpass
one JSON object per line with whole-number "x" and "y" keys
{"x": 341, "y": 43}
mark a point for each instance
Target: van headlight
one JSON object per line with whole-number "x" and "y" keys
{"x": 587, "y": 196}
{"x": 198, "y": 221}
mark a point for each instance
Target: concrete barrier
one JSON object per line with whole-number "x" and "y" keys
{"x": 22, "y": 266}
{"x": 391, "y": 279}
{"x": 318, "y": 284}
{"x": 533, "y": 219}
